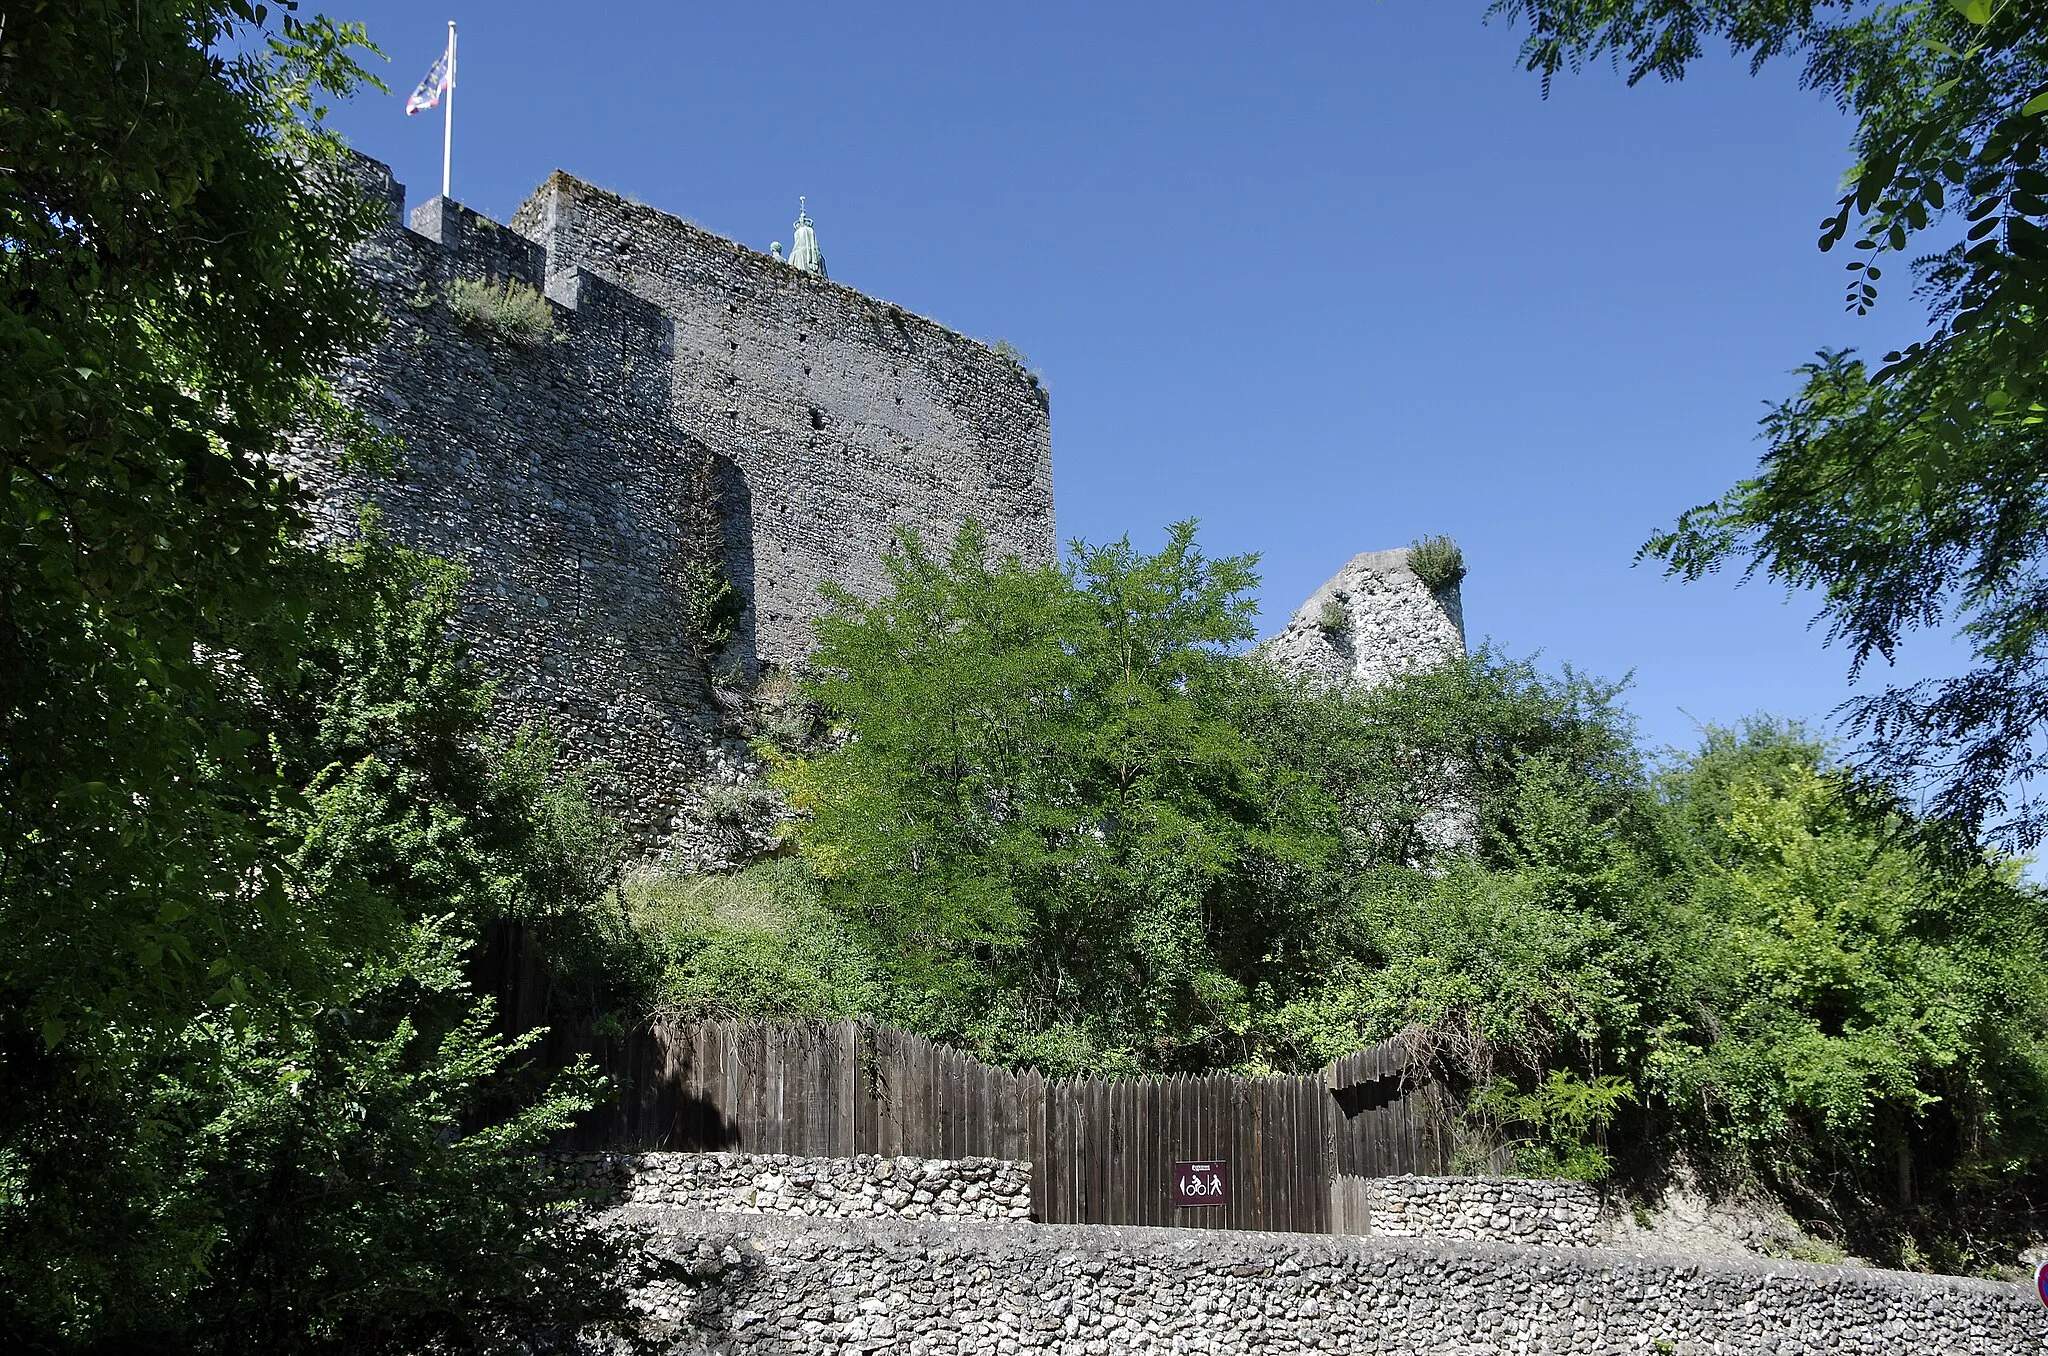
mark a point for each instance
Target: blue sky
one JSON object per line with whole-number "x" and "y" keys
{"x": 1325, "y": 277}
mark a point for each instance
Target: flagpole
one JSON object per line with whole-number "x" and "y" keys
{"x": 448, "y": 113}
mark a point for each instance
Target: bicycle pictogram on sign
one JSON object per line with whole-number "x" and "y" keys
{"x": 1203, "y": 1183}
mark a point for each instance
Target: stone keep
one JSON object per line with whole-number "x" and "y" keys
{"x": 698, "y": 406}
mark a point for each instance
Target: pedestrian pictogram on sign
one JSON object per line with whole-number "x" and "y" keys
{"x": 1204, "y": 1183}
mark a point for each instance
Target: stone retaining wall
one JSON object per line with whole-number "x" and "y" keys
{"x": 863, "y": 1187}
{"x": 1486, "y": 1209}
{"x": 759, "y": 1284}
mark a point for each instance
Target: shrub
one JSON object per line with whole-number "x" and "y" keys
{"x": 1437, "y": 562}
{"x": 742, "y": 804}
{"x": 1335, "y": 616}
{"x": 756, "y": 943}
{"x": 1012, "y": 355}
{"x": 712, "y": 607}
{"x": 510, "y": 311}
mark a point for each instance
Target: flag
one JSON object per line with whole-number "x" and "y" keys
{"x": 430, "y": 90}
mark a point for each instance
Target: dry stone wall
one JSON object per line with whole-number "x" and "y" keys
{"x": 866, "y": 1186}
{"x": 695, "y": 408}
{"x": 1486, "y": 1209}
{"x": 740, "y": 1285}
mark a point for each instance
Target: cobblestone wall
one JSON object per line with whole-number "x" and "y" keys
{"x": 865, "y": 1186}
{"x": 1486, "y": 1209}
{"x": 744, "y": 1285}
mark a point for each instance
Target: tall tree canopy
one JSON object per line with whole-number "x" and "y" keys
{"x": 1910, "y": 495}
{"x": 249, "y": 815}
{"x": 172, "y": 289}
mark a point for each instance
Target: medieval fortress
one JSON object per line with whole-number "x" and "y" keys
{"x": 649, "y": 458}
{"x": 694, "y": 425}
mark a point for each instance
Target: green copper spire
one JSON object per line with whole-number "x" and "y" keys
{"x": 803, "y": 251}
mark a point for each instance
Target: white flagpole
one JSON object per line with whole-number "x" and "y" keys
{"x": 448, "y": 113}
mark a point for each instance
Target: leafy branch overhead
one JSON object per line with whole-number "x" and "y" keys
{"x": 1908, "y": 498}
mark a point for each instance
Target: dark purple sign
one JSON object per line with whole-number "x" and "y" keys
{"x": 1205, "y": 1183}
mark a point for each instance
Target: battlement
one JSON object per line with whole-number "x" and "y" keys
{"x": 691, "y": 412}
{"x": 848, "y": 416}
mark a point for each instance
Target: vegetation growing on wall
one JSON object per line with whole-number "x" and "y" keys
{"x": 1021, "y": 365}
{"x": 1437, "y": 562}
{"x": 508, "y": 310}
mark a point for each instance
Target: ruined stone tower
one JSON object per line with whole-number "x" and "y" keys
{"x": 1370, "y": 622}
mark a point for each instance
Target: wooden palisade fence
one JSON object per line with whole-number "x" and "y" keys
{"x": 1103, "y": 1149}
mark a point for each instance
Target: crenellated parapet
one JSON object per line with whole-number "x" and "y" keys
{"x": 655, "y": 413}
{"x": 847, "y": 416}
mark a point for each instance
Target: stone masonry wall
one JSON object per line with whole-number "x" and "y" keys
{"x": 587, "y": 480}
{"x": 866, "y": 1186}
{"x": 1391, "y": 623}
{"x": 545, "y": 470}
{"x": 740, "y": 1285}
{"x": 1486, "y": 1209}
{"x": 846, "y": 416}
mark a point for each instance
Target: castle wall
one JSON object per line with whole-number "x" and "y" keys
{"x": 695, "y": 405}
{"x": 1371, "y": 622}
{"x": 550, "y": 472}
{"x": 845, "y": 415}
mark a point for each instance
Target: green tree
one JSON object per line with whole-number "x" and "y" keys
{"x": 1861, "y": 1026}
{"x": 1042, "y": 804}
{"x": 1908, "y": 497}
{"x": 172, "y": 287}
{"x": 243, "y": 776}
{"x": 151, "y": 1207}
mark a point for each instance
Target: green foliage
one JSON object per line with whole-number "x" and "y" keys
{"x": 1335, "y": 616}
{"x": 712, "y": 607}
{"x": 758, "y": 943}
{"x": 1065, "y": 821}
{"x": 1045, "y": 811}
{"x": 508, "y": 310}
{"x": 1865, "y": 1008}
{"x": 1563, "y": 1120}
{"x": 1437, "y": 562}
{"x": 1908, "y": 498}
{"x": 359, "y": 1196}
{"x": 120, "y": 1207}
{"x": 1448, "y": 756}
{"x": 172, "y": 287}
{"x": 248, "y": 1105}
